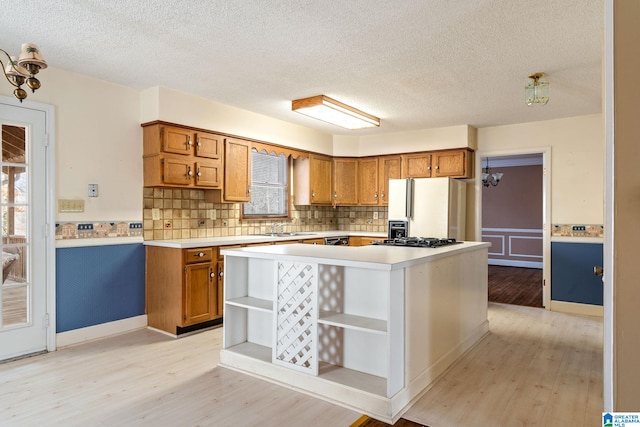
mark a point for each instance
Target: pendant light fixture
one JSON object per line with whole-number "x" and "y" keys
{"x": 490, "y": 179}
{"x": 537, "y": 90}
{"x": 22, "y": 69}
{"x": 331, "y": 111}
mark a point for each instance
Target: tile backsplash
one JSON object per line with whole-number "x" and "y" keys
{"x": 185, "y": 214}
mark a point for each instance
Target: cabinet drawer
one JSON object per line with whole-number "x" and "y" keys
{"x": 198, "y": 255}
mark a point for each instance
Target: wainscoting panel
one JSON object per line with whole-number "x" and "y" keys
{"x": 98, "y": 284}
{"x": 514, "y": 247}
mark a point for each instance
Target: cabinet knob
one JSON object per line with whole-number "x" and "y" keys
{"x": 198, "y": 144}
{"x": 189, "y": 172}
{"x": 313, "y": 194}
{"x": 428, "y": 168}
{"x": 189, "y": 142}
{"x": 211, "y": 275}
{"x": 437, "y": 167}
{"x": 198, "y": 174}
{"x": 382, "y": 195}
{"x": 375, "y": 196}
{"x": 200, "y": 254}
{"x": 335, "y": 195}
{"x": 221, "y": 273}
{"x": 597, "y": 270}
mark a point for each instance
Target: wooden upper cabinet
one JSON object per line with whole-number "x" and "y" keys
{"x": 368, "y": 187}
{"x": 176, "y": 140}
{"x": 417, "y": 165}
{"x": 453, "y": 163}
{"x": 208, "y": 174}
{"x": 312, "y": 180}
{"x": 389, "y": 167}
{"x": 237, "y": 170}
{"x": 177, "y": 170}
{"x": 208, "y": 145}
{"x": 345, "y": 181}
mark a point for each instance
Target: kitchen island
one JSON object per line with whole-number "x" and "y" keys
{"x": 369, "y": 328}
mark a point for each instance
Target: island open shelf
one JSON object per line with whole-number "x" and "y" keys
{"x": 369, "y": 326}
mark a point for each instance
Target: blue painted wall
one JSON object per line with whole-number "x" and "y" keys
{"x": 98, "y": 284}
{"x": 572, "y": 278}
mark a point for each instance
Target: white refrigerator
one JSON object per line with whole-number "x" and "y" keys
{"x": 432, "y": 207}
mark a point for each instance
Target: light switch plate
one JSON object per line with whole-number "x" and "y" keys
{"x": 70, "y": 205}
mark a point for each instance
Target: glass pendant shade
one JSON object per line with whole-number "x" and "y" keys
{"x": 536, "y": 90}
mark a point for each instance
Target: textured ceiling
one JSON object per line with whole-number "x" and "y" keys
{"x": 414, "y": 63}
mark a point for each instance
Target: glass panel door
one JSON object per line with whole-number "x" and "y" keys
{"x": 14, "y": 195}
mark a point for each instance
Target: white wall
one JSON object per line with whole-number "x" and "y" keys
{"x": 159, "y": 103}
{"x": 403, "y": 142}
{"x": 577, "y": 162}
{"x": 98, "y": 141}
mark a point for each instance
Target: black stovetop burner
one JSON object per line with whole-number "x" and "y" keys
{"x": 417, "y": 242}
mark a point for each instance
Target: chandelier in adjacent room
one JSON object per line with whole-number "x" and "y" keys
{"x": 489, "y": 178}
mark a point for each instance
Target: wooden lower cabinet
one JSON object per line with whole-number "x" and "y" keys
{"x": 182, "y": 288}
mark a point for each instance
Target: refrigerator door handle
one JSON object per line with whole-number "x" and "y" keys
{"x": 409, "y": 199}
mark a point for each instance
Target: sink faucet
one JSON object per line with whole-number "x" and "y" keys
{"x": 275, "y": 225}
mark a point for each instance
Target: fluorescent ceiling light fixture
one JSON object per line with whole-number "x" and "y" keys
{"x": 331, "y": 111}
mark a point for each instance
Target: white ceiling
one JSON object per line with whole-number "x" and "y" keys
{"x": 416, "y": 64}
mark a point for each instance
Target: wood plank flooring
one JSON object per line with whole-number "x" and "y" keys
{"x": 534, "y": 368}
{"x": 515, "y": 285}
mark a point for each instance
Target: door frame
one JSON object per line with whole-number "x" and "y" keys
{"x": 50, "y": 227}
{"x": 546, "y": 207}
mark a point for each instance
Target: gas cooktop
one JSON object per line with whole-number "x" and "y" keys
{"x": 417, "y": 242}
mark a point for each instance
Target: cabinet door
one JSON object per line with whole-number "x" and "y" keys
{"x": 209, "y": 145}
{"x": 320, "y": 180}
{"x": 220, "y": 288}
{"x": 416, "y": 165}
{"x": 368, "y": 181}
{"x": 345, "y": 181}
{"x": 177, "y": 171}
{"x": 389, "y": 168}
{"x": 208, "y": 174}
{"x": 176, "y": 140}
{"x": 200, "y": 298}
{"x": 237, "y": 170}
{"x": 450, "y": 163}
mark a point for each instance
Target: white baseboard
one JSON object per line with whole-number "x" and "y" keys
{"x": 103, "y": 330}
{"x": 512, "y": 263}
{"x": 575, "y": 308}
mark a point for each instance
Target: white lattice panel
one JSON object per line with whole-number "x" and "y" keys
{"x": 295, "y": 322}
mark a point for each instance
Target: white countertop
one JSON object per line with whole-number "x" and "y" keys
{"x": 370, "y": 257}
{"x": 243, "y": 240}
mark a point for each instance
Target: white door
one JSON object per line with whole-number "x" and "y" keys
{"x": 23, "y": 321}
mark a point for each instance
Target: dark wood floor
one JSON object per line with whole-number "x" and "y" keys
{"x": 515, "y": 285}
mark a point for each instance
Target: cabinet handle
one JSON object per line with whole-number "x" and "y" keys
{"x": 189, "y": 172}
{"x": 200, "y": 254}
{"x": 382, "y": 195}
{"x": 248, "y": 191}
{"x": 437, "y": 167}
{"x": 198, "y": 174}
{"x": 188, "y": 142}
{"x": 313, "y": 194}
{"x": 375, "y": 196}
{"x": 211, "y": 273}
{"x": 198, "y": 144}
{"x": 428, "y": 168}
{"x": 335, "y": 195}
{"x": 221, "y": 274}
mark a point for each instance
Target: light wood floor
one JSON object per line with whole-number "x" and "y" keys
{"x": 534, "y": 368}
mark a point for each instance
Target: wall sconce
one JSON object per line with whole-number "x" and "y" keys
{"x": 489, "y": 178}
{"x": 23, "y": 69}
{"x": 537, "y": 90}
{"x": 331, "y": 111}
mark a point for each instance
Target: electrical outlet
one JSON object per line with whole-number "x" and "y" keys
{"x": 93, "y": 190}
{"x": 375, "y": 215}
{"x": 155, "y": 214}
{"x": 224, "y": 223}
{"x": 168, "y": 224}
{"x": 201, "y": 223}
